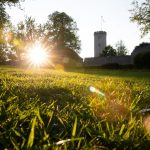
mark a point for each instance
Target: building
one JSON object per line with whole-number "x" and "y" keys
{"x": 99, "y": 45}
{"x": 99, "y": 42}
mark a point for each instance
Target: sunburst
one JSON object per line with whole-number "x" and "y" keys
{"x": 37, "y": 55}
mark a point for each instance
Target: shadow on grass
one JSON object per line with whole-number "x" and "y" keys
{"x": 125, "y": 74}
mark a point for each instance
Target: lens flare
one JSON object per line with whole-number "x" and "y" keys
{"x": 37, "y": 55}
{"x": 146, "y": 124}
{"x": 94, "y": 90}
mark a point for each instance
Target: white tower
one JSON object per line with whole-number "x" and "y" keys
{"x": 99, "y": 42}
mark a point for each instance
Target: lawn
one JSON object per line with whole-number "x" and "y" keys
{"x": 89, "y": 109}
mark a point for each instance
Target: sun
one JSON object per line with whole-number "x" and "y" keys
{"x": 37, "y": 55}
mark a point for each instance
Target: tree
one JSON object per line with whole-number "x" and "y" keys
{"x": 121, "y": 49}
{"x": 16, "y": 40}
{"x": 141, "y": 15}
{"x": 61, "y": 32}
{"x": 141, "y": 60}
{"x": 4, "y": 20}
{"x": 3, "y": 15}
{"x": 3, "y": 55}
{"x": 4, "y": 38}
{"x": 109, "y": 51}
{"x": 25, "y": 35}
{"x": 10, "y": 2}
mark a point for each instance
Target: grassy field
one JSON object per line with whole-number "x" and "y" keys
{"x": 89, "y": 110}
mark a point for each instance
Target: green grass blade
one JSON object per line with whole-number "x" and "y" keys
{"x": 74, "y": 127}
{"x": 16, "y": 147}
{"x": 31, "y": 136}
{"x": 17, "y": 133}
{"x": 122, "y": 129}
{"x": 39, "y": 116}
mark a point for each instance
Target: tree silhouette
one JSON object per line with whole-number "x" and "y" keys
{"x": 121, "y": 49}
{"x": 61, "y": 32}
{"x": 109, "y": 51}
{"x": 25, "y": 35}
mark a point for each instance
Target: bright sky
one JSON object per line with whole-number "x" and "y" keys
{"x": 87, "y": 14}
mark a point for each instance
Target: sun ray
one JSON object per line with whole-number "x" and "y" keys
{"x": 37, "y": 56}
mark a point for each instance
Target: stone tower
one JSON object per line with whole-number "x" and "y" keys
{"x": 99, "y": 42}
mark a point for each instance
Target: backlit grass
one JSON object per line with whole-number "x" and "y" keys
{"x": 49, "y": 109}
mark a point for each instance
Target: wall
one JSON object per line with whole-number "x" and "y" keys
{"x": 100, "y": 61}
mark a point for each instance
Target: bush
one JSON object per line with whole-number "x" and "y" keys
{"x": 142, "y": 60}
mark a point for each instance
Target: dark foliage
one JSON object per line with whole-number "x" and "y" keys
{"x": 142, "y": 47}
{"x": 144, "y": 44}
{"x": 61, "y": 32}
{"x": 142, "y": 60}
{"x": 109, "y": 51}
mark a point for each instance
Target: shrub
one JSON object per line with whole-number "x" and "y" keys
{"x": 142, "y": 60}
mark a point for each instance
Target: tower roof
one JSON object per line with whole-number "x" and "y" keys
{"x": 100, "y": 32}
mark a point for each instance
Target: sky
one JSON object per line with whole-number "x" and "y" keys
{"x": 87, "y": 14}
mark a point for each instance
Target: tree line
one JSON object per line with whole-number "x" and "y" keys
{"x": 59, "y": 32}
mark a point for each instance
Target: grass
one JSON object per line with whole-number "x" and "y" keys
{"x": 121, "y": 74}
{"x": 48, "y": 109}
